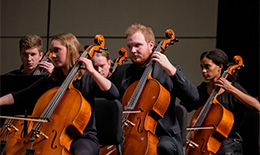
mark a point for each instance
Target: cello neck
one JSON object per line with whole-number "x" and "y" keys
{"x": 142, "y": 81}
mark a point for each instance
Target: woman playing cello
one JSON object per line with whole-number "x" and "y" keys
{"x": 231, "y": 95}
{"x": 65, "y": 50}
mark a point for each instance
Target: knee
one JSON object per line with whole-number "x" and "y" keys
{"x": 166, "y": 148}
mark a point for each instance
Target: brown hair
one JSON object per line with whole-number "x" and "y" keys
{"x": 146, "y": 31}
{"x": 73, "y": 53}
{"x": 31, "y": 41}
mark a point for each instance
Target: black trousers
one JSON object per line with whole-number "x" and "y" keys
{"x": 231, "y": 145}
{"x": 170, "y": 145}
{"x": 87, "y": 145}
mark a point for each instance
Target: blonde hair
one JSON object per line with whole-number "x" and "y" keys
{"x": 73, "y": 53}
{"x": 103, "y": 53}
{"x": 146, "y": 31}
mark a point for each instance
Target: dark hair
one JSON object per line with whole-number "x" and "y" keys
{"x": 218, "y": 56}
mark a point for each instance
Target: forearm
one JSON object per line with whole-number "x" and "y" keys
{"x": 103, "y": 83}
{"x": 246, "y": 99}
{"x": 7, "y": 100}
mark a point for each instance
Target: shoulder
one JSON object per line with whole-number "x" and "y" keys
{"x": 121, "y": 70}
{"x": 14, "y": 72}
{"x": 124, "y": 67}
{"x": 203, "y": 85}
{"x": 238, "y": 86}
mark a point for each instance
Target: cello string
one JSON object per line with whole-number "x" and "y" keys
{"x": 59, "y": 94}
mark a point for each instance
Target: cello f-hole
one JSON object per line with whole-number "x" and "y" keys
{"x": 139, "y": 123}
{"x": 55, "y": 134}
{"x": 201, "y": 148}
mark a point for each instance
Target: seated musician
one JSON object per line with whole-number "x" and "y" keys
{"x": 231, "y": 95}
{"x": 65, "y": 50}
{"x": 102, "y": 63}
{"x": 140, "y": 43}
{"x": 31, "y": 53}
{"x": 30, "y": 47}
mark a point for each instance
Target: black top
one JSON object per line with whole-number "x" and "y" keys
{"x": 229, "y": 101}
{"x": 21, "y": 71}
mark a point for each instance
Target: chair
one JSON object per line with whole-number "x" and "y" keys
{"x": 181, "y": 114}
{"x": 108, "y": 115}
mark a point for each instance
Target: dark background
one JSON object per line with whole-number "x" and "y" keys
{"x": 238, "y": 34}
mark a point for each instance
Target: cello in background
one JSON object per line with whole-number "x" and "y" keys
{"x": 16, "y": 127}
{"x": 67, "y": 114}
{"x": 47, "y": 57}
{"x": 121, "y": 59}
{"x": 211, "y": 123}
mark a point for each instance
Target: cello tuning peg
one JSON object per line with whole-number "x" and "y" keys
{"x": 176, "y": 40}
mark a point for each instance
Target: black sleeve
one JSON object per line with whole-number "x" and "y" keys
{"x": 183, "y": 88}
{"x": 31, "y": 94}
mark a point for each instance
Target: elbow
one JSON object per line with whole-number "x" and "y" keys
{"x": 258, "y": 107}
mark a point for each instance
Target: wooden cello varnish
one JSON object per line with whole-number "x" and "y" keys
{"x": 121, "y": 59}
{"x": 144, "y": 103}
{"x": 13, "y": 129}
{"x": 66, "y": 111}
{"x": 211, "y": 123}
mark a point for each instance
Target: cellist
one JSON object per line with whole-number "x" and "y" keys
{"x": 231, "y": 95}
{"x": 31, "y": 53}
{"x": 65, "y": 50}
{"x": 140, "y": 42}
{"x": 102, "y": 63}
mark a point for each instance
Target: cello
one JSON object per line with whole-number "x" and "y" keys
{"x": 121, "y": 59}
{"x": 16, "y": 127}
{"x": 144, "y": 102}
{"x": 47, "y": 57}
{"x": 211, "y": 123}
{"x": 55, "y": 135}
{"x": 142, "y": 110}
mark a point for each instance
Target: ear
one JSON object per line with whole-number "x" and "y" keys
{"x": 151, "y": 44}
{"x": 41, "y": 54}
{"x": 109, "y": 62}
{"x": 221, "y": 66}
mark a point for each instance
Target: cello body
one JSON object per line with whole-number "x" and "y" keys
{"x": 209, "y": 140}
{"x": 139, "y": 137}
{"x": 55, "y": 136}
{"x": 62, "y": 114}
{"x": 211, "y": 114}
{"x": 11, "y": 131}
{"x": 152, "y": 104}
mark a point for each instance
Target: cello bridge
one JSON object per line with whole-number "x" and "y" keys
{"x": 38, "y": 133}
{"x": 192, "y": 144}
{"x": 9, "y": 127}
{"x": 126, "y": 122}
